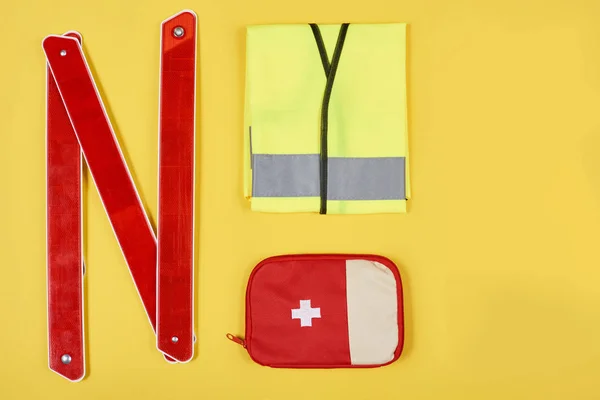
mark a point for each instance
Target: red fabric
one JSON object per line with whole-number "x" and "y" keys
{"x": 276, "y": 286}
{"x": 176, "y": 189}
{"x": 64, "y": 258}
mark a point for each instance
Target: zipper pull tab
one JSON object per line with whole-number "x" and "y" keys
{"x": 237, "y": 340}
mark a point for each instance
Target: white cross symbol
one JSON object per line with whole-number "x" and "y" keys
{"x": 305, "y": 313}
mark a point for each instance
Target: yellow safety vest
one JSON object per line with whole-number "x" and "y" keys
{"x": 325, "y": 118}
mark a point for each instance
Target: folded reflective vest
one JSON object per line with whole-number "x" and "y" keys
{"x": 325, "y": 119}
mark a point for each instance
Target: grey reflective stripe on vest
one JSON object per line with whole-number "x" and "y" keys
{"x": 285, "y": 175}
{"x": 350, "y": 178}
{"x": 372, "y": 178}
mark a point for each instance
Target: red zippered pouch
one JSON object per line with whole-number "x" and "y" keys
{"x": 324, "y": 311}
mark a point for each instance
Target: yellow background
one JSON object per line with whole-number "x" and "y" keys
{"x": 499, "y": 251}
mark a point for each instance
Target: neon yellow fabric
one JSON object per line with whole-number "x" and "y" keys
{"x": 285, "y": 82}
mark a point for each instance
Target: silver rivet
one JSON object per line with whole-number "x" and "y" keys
{"x": 174, "y": 339}
{"x": 178, "y": 31}
{"x": 63, "y": 53}
{"x": 66, "y": 359}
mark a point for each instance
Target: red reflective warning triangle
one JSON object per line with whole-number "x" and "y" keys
{"x": 64, "y": 238}
{"x": 77, "y": 124}
{"x": 177, "y": 115}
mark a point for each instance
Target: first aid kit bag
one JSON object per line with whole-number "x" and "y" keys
{"x": 324, "y": 311}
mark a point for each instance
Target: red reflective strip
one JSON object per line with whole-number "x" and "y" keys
{"x": 106, "y": 163}
{"x": 64, "y": 240}
{"x": 175, "y": 289}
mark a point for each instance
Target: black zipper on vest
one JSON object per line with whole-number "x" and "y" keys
{"x": 330, "y": 71}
